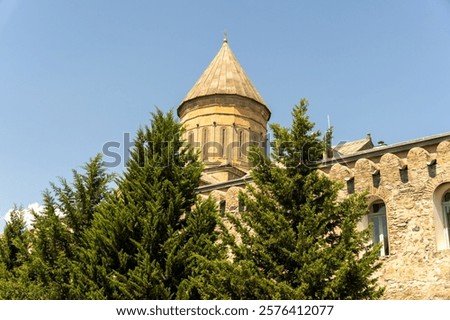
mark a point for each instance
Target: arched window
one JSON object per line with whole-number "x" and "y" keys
{"x": 441, "y": 201}
{"x": 378, "y": 221}
{"x": 446, "y": 214}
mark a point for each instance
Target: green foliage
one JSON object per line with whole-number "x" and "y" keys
{"x": 78, "y": 202}
{"x": 295, "y": 233}
{"x": 147, "y": 238}
{"x": 153, "y": 238}
{"x": 13, "y": 255}
{"x": 13, "y": 243}
{"x": 297, "y": 148}
{"x": 42, "y": 263}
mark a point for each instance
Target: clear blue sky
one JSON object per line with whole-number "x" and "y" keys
{"x": 77, "y": 74}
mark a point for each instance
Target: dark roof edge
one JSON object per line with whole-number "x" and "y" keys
{"x": 226, "y": 184}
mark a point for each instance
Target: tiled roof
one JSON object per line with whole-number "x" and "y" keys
{"x": 352, "y": 147}
{"x": 224, "y": 75}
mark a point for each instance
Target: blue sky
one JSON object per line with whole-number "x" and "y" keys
{"x": 77, "y": 74}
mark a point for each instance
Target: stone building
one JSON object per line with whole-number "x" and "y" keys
{"x": 408, "y": 187}
{"x": 408, "y": 184}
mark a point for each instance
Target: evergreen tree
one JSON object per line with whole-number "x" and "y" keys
{"x": 296, "y": 240}
{"x": 68, "y": 211}
{"x": 77, "y": 202}
{"x": 14, "y": 245}
{"x": 147, "y": 238}
{"x": 40, "y": 263}
{"x": 13, "y": 241}
{"x": 47, "y": 274}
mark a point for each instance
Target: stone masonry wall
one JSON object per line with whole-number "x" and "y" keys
{"x": 416, "y": 267}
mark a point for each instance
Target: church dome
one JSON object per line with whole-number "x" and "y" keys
{"x": 224, "y": 76}
{"x": 223, "y": 115}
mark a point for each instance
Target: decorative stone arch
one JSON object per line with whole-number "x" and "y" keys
{"x": 392, "y": 161}
{"x": 365, "y": 165}
{"x": 444, "y": 147}
{"x": 218, "y": 195}
{"x": 343, "y": 175}
{"x": 232, "y": 197}
{"x": 443, "y": 156}
{"x": 390, "y": 166}
{"x": 418, "y": 160}
{"x": 334, "y": 171}
{"x": 418, "y": 154}
{"x": 371, "y": 198}
{"x": 340, "y": 173}
{"x": 380, "y": 193}
{"x": 365, "y": 173}
{"x": 432, "y": 184}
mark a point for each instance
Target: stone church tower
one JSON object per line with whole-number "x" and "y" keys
{"x": 224, "y": 115}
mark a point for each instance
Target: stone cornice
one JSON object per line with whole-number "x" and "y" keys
{"x": 225, "y": 185}
{"x": 381, "y": 150}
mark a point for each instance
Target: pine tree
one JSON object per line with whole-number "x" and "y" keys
{"x": 297, "y": 240}
{"x": 147, "y": 238}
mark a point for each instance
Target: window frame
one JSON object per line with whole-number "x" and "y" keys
{"x": 377, "y": 218}
{"x": 223, "y": 141}
{"x": 205, "y": 143}
{"x": 446, "y": 218}
{"x": 241, "y": 138}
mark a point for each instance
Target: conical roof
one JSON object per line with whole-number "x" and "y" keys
{"x": 224, "y": 75}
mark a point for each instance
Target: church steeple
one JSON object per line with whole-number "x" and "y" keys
{"x": 223, "y": 114}
{"x": 224, "y": 75}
